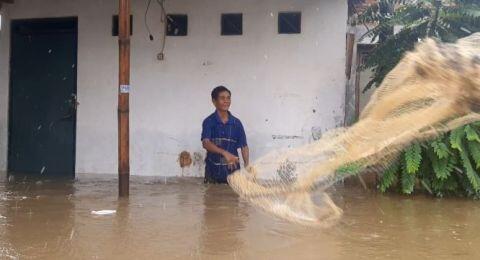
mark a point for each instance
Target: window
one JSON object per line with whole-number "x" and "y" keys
{"x": 177, "y": 24}
{"x": 115, "y": 25}
{"x": 289, "y": 22}
{"x": 232, "y": 24}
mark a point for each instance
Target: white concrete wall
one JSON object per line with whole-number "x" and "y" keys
{"x": 283, "y": 85}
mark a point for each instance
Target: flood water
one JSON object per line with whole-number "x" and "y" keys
{"x": 185, "y": 219}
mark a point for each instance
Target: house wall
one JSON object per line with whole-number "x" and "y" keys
{"x": 287, "y": 89}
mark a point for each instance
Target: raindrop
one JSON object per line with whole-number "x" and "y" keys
{"x": 49, "y": 50}
{"x": 43, "y": 170}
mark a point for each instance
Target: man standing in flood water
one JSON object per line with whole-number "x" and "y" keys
{"x": 222, "y": 136}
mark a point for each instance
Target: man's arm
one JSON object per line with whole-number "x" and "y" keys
{"x": 242, "y": 144}
{"x": 211, "y": 147}
{"x": 245, "y": 155}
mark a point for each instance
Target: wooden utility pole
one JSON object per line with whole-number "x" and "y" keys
{"x": 123, "y": 98}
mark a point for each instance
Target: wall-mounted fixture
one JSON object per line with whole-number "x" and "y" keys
{"x": 232, "y": 24}
{"x": 177, "y": 25}
{"x": 289, "y": 22}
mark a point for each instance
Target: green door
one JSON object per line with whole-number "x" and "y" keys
{"x": 42, "y": 115}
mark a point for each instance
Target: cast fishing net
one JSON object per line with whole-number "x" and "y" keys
{"x": 434, "y": 89}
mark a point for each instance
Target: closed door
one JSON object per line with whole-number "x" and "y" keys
{"x": 42, "y": 115}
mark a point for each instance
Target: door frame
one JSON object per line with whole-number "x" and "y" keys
{"x": 13, "y": 23}
{"x": 363, "y": 51}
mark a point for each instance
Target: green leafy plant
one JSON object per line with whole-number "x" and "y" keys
{"x": 450, "y": 163}
{"x": 447, "y": 165}
{"x": 446, "y": 20}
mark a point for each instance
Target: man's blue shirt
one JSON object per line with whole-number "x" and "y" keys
{"x": 229, "y": 136}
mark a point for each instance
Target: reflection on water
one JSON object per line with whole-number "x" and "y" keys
{"x": 32, "y": 230}
{"x": 223, "y": 219}
{"x": 186, "y": 219}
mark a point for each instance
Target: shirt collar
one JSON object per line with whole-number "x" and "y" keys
{"x": 219, "y": 120}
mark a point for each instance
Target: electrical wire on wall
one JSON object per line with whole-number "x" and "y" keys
{"x": 163, "y": 20}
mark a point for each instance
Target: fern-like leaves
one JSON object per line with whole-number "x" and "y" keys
{"x": 389, "y": 177}
{"x": 408, "y": 181}
{"x": 413, "y": 158}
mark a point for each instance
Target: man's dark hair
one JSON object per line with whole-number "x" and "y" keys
{"x": 217, "y": 90}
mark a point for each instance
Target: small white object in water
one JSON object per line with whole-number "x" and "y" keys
{"x": 42, "y": 170}
{"x": 72, "y": 233}
{"x": 104, "y": 212}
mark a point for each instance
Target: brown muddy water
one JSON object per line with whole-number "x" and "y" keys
{"x": 185, "y": 219}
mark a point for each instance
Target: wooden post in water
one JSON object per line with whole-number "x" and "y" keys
{"x": 123, "y": 97}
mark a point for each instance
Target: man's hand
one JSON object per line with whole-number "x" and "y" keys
{"x": 231, "y": 159}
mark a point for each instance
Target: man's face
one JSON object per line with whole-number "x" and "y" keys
{"x": 223, "y": 101}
